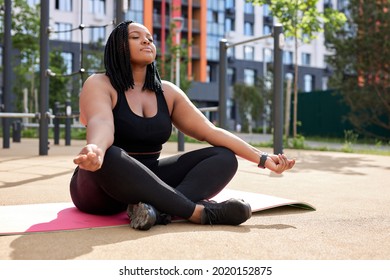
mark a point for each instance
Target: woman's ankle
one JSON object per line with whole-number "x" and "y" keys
{"x": 196, "y": 216}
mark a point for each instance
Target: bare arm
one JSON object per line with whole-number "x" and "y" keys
{"x": 96, "y": 114}
{"x": 188, "y": 119}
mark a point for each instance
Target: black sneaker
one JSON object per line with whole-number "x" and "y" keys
{"x": 229, "y": 212}
{"x": 143, "y": 216}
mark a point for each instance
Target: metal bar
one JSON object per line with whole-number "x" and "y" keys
{"x": 7, "y": 69}
{"x": 230, "y": 45}
{"x": 44, "y": 79}
{"x": 278, "y": 90}
{"x": 18, "y": 115}
{"x": 222, "y": 82}
{"x": 208, "y": 109}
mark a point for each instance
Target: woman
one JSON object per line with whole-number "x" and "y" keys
{"x": 128, "y": 113}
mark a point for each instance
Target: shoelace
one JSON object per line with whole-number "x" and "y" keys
{"x": 163, "y": 219}
{"x": 212, "y": 216}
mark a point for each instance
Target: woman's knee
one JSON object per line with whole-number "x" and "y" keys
{"x": 227, "y": 159}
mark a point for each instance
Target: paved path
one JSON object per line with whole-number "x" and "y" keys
{"x": 352, "y": 221}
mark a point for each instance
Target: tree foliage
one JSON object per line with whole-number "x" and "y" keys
{"x": 250, "y": 101}
{"x": 303, "y": 21}
{"x": 361, "y": 65}
{"x": 25, "y": 32}
{"x": 166, "y": 63}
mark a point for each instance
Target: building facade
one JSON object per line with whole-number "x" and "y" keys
{"x": 205, "y": 23}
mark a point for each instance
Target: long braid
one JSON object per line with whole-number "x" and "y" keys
{"x": 118, "y": 66}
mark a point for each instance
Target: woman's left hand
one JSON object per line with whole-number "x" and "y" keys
{"x": 90, "y": 158}
{"x": 279, "y": 163}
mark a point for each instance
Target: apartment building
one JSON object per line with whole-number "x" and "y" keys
{"x": 205, "y": 23}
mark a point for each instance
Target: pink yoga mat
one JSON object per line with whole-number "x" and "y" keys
{"x": 29, "y": 218}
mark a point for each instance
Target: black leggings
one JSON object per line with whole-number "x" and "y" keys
{"x": 172, "y": 184}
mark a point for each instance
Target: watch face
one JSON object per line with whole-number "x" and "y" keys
{"x": 263, "y": 159}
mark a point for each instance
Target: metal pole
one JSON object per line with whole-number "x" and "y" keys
{"x": 44, "y": 78}
{"x": 222, "y": 83}
{"x": 56, "y": 122}
{"x": 120, "y": 16}
{"x": 180, "y": 135}
{"x": 178, "y": 21}
{"x": 68, "y": 122}
{"x": 278, "y": 89}
{"x": 7, "y": 71}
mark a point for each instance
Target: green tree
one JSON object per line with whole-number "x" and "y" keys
{"x": 166, "y": 63}
{"x": 250, "y": 103}
{"x": 25, "y": 40}
{"x": 25, "y": 32}
{"x": 59, "y": 90}
{"x": 361, "y": 65}
{"x": 302, "y": 21}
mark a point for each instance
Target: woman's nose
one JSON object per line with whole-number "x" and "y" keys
{"x": 145, "y": 41}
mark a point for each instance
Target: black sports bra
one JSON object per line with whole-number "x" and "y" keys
{"x": 136, "y": 134}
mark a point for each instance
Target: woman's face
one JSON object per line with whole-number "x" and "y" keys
{"x": 142, "y": 48}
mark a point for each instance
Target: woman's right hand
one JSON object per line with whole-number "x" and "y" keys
{"x": 90, "y": 158}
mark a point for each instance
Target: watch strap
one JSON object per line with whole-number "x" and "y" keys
{"x": 263, "y": 159}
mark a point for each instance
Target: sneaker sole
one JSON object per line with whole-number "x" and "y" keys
{"x": 142, "y": 217}
{"x": 245, "y": 210}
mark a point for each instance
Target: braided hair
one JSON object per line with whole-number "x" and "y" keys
{"x": 117, "y": 62}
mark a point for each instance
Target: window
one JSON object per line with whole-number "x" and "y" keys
{"x": 267, "y": 29}
{"x": 229, "y": 4}
{"x": 231, "y": 76}
{"x": 64, "y": 31}
{"x": 94, "y": 63}
{"x": 268, "y": 55}
{"x": 249, "y": 77}
{"x": 63, "y": 5}
{"x": 136, "y": 13}
{"x": 208, "y": 70}
{"x": 266, "y": 11}
{"x": 248, "y": 8}
{"x": 213, "y": 47}
{"x": 249, "y": 53}
{"x": 97, "y": 34}
{"x": 215, "y": 28}
{"x": 97, "y": 7}
{"x": 306, "y": 57}
{"x": 288, "y": 57}
{"x": 308, "y": 83}
{"x": 248, "y": 28}
{"x": 212, "y": 73}
{"x": 68, "y": 61}
{"x": 231, "y": 52}
{"x": 229, "y": 25}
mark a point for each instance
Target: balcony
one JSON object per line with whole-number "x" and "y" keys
{"x": 157, "y": 23}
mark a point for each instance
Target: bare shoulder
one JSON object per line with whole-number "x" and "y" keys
{"x": 97, "y": 95}
{"x": 171, "y": 88}
{"x": 172, "y": 92}
{"x": 97, "y": 81}
{"x": 98, "y": 84}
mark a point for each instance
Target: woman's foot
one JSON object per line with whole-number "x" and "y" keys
{"x": 143, "y": 216}
{"x": 230, "y": 212}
